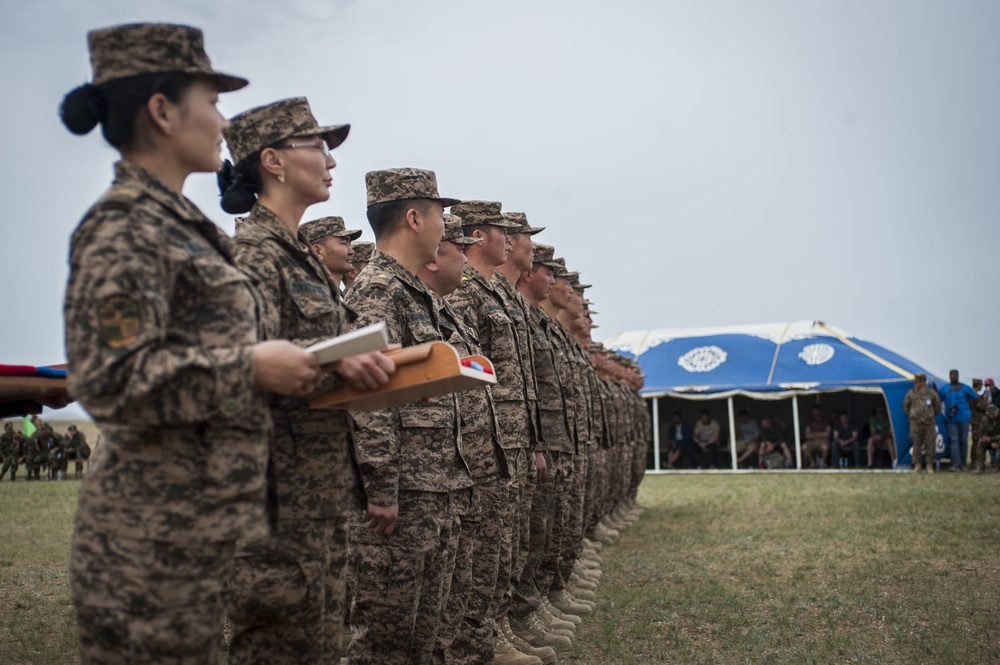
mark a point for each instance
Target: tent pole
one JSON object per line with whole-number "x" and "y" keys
{"x": 656, "y": 433}
{"x": 732, "y": 432}
{"x": 798, "y": 436}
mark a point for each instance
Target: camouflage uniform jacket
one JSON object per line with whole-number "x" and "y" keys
{"x": 590, "y": 419}
{"x": 480, "y": 445}
{"x": 553, "y": 411}
{"x": 483, "y": 309}
{"x": 311, "y": 456}
{"x": 414, "y": 446}
{"x": 611, "y": 432}
{"x": 576, "y": 395}
{"x": 624, "y": 402}
{"x": 991, "y": 428}
{"x": 6, "y": 447}
{"x": 159, "y": 328}
{"x": 922, "y": 406}
{"x": 517, "y": 308}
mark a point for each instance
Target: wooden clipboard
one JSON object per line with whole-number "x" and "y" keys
{"x": 422, "y": 372}
{"x": 16, "y": 388}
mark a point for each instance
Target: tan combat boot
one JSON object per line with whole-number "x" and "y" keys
{"x": 559, "y": 614}
{"x": 930, "y": 465}
{"x": 544, "y": 654}
{"x": 917, "y": 468}
{"x": 505, "y": 653}
{"x": 564, "y": 602}
{"x": 531, "y": 630}
{"x": 553, "y": 624}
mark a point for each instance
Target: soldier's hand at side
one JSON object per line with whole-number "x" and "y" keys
{"x": 541, "y": 468}
{"x": 367, "y": 371}
{"x": 283, "y": 368}
{"x": 381, "y": 519}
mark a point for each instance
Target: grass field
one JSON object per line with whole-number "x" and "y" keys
{"x": 756, "y": 568}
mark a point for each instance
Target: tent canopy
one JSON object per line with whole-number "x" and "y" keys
{"x": 801, "y": 355}
{"x": 768, "y": 360}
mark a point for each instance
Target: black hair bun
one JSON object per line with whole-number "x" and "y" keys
{"x": 82, "y": 108}
{"x": 238, "y": 196}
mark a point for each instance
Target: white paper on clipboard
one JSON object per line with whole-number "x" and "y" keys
{"x": 364, "y": 340}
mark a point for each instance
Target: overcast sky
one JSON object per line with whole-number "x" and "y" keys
{"x": 706, "y": 162}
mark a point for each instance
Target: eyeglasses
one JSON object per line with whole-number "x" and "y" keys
{"x": 319, "y": 144}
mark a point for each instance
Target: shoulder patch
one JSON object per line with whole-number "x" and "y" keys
{"x": 120, "y": 320}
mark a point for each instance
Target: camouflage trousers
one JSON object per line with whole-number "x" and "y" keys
{"x": 924, "y": 438}
{"x": 521, "y": 528}
{"x": 11, "y": 465}
{"x": 508, "y": 528}
{"x": 595, "y": 485}
{"x": 639, "y": 451}
{"x": 287, "y": 595}
{"x": 549, "y": 576}
{"x": 468, "y": 629}
{"x": 400, "y": 582}
{"x": 527, "y": 596}
{"x": 140, "y": 601}
{"x": 573, "y": 503}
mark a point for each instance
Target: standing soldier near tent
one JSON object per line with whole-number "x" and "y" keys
{"x": 921, "y": 405}
{"x": 989, "y": 435}
{"x": 8, "y": 452}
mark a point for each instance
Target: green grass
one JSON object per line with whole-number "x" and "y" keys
{"x": 37, "y": 620}
{"x": 758, "y": 568}
{"x": 799, "y": 568}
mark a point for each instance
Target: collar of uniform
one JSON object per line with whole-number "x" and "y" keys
{"x": 268, "y": 223}
{"x": 473, "y": 274}
{"x": 386, "y": 263}
{"x": 127, "y": 173}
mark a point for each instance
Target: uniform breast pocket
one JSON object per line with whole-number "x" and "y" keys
{"x": 503, "y": 341}
{"x": 313, "y": 305}
{"x": 421, "y": 329}
{"x": 222, "y": 304}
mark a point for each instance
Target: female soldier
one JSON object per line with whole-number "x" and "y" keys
{"x": 162, "y": 341}
{"x": 288, "y": 590}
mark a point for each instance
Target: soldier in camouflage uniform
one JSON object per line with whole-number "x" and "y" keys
{"x": 8, "y": 454}
{"x": 553, "y": 494}
{"x": 468, "y": 631}
{"x": 362, "y": 257}
{"x": 416, "y": 481}
{"x": 921, "y": 405}
{"x": 288, "y": 590}
{"x": 162, "y": 339}
{"x": 486, "y": 304}
{"x": 331, "y": 241}
{"x": 77, "y": 448}
{"x": 989, "y": 435}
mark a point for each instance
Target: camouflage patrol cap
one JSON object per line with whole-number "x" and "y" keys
{"x": 574, "y": 280}
{"x": 561, "y": 269}
{"x": 403, "y": 185}
{"x": 480, "y": 213}
{"x": 327, "y": 226}
{"x": 122, "y": 51}
{"x": 270, "y": 124}
{"x": 992, "y": 408}
{"x": 453, "y": 231}
{"x": 920, "y": 376}
{"x": 545, "y": 255}
{"x": 362, "y": 251}
{"x": 520, "y": 222}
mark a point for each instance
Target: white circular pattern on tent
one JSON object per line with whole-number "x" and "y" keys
{"x": 816, "y": 354}
{"x": 702, "y": 359}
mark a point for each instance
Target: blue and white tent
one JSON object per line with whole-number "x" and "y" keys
{"x": 769, "y": 362}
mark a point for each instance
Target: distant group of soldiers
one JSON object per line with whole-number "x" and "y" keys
{"x": 43, "y": 451}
